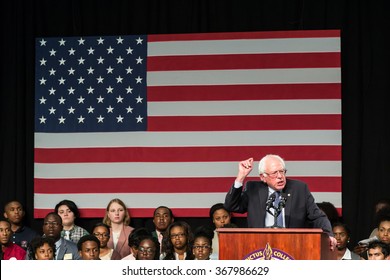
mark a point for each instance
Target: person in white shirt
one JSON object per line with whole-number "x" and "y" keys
{"x": 342, "y": 234}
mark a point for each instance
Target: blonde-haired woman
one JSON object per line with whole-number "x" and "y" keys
{"x": 118, "y": 219}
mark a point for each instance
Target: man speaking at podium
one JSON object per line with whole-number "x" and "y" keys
{"x": 297, "y": 209}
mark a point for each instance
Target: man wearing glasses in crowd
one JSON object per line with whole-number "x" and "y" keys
{"x": 52, "y": 227}
{"x": 300, "y": 210}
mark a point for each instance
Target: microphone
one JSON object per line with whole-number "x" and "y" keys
{"x": 270, "y": 202}
{"x": 282, "y": 202}
{"x": 366, "y": 242}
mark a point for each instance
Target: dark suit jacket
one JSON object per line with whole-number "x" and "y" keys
{"x": 300, "y": 211}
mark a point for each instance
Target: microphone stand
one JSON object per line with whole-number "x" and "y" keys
{"x": 277, "y": 211}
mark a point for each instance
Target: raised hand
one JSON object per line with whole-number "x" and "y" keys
{"x": 244, "y": 168}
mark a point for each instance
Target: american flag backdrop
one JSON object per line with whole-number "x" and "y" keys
{"x": 165, "y": 119}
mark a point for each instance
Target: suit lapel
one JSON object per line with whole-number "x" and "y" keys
{"x": 263, "y": 197}
{"x": 287, "y": 209}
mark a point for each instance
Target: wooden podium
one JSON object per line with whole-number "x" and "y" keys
{"x": 271, "y": 243}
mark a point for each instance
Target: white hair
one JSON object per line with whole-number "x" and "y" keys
{"x": 262, "y": 162}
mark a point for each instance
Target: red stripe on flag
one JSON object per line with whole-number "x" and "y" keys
{"x": 243, "y": 61}
{"x": 164, "y": 185}
{"x": 245, "y": 92}
{"x": 229, "y": 123}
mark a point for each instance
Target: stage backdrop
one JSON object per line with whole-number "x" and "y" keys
{"x": 165, "y": 119}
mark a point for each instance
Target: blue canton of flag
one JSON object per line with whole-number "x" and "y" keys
{"x": 91, "y": 84}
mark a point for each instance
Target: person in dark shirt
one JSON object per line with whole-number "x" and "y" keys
{"x": 378, "y": 250}
{"x": 89, "y": 247}
{"x": 255, "y": 198}
{"x": 21, "y": 234}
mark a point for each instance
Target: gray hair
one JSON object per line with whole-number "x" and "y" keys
{"x": 262, "y": 162}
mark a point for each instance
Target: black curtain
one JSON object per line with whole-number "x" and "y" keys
{"x": 364, "y": 27}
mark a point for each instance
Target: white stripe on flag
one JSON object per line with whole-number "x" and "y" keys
{"x": 188, "y": 139}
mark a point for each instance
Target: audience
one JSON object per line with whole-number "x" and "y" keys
{"x": 177, "y": 242}
{"x": 220, "y": 216}
{"x": 42, "y": 248}
{"x": 102, "y": 232}
{"x": 21, "y": 234}
{"x": 65, "y": 249}
{"x": 69, "y": 212}
{"x": 382, "y": 208}
{"x": 384, "y": 229}
{"x": 148, "y": 249}
{"x": 378, "y": 250}
{"x": 342, "y": 234}
{"x": 330, "y": 211}
{"x": 382, "y": 233}
{"x": 162, "y": 218}
{"x": 134, "y": 240}
{"x": 89, "y": 247}
{"x": 10, "y": 251}
{"x": 117, "y": 217}
{"x": 202, "y": 245}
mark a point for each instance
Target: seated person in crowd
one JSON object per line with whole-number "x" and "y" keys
{"x": 134, "y": 239}
{"x": 384, "y": 229}
{"x": 148, "y": 249}
{"x": 69, "y": 212}
{"x": 21, "y": 234}
{"x": 162, "y": 218}
{"x": 89, "y": 247}
{"x": 10, "y": 251}
{"x": 383, "y": 234}
{"x": 117, "y": 217}
{"x": 382, "y": 208}
{"x": 42, "y": 248}
{"x": 65, "y": 249}
{"x": 102, "y": 232}
{"x": 342, "y": 234}
{"x": 220, "y": 216}
{"x": 378, "y": 250}
{"x": 202, "y": 245}
{"x": 330, "y": 211}
{"x": 177, "y": 242}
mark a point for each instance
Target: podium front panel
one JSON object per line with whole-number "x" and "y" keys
{"x": 270, "y": 243}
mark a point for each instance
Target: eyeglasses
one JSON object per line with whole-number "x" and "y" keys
{"x": 179, "y": 235}
{"x": 54, "y": 224}
{"x": 198, "y": 247}
{"x": 147, "y": 251}
{"x": 101, "y": 234}
{"x": 275, "y": 174}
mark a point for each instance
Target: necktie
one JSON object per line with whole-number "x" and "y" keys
{"x": 279, "y": 219}
{"x": 67, "y": 235}
{"x": 160, "y": 239}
